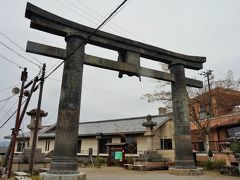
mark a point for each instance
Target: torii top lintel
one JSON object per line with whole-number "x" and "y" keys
{"x": 51, "y": 23}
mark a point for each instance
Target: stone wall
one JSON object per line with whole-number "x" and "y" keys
{"x": 168, "y": 154}
{"x": 166, "y": 131}
{"x": 88, "y": 143}
{"x": 216, "y": 156}
{"x": 141, "y": 144}
{"x": 116, "y": 140}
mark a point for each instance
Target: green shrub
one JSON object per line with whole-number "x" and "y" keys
{"x": 211, "y": 165}
{"x": 35, "y": 178}
{"x": 129, "y": 160}
{"x": 100, "y": 161}
{"x": 235, "y": 147}
{"x": 220, "y": 163}
{"x": 210, "y": 153}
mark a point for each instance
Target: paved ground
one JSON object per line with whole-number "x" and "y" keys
{"x": 118, "y": 173}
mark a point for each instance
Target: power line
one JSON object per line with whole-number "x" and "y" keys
{"x": 76, "y": 12}
{"x": 8, "y": 119}
{"x": 116, "y": 25}
{"x": 89, "y": 36}
{"x": 4, "y": 104}
{"x": 9, "y": 87}
{"x": 19, "y": 47}
{"x": 7, "y": 98}
{"x": 95, "y": 12}
{"x": 104, "y": 91}
{"x": 11, "y": 115}
{"x": 93, "y": 17}
{"x": 120, "y": 8}
{"x": 19, "y": 66}
{"x": 53, "y": 65}
{"x": 18, "y": 54}
{"x": 12, "y": 106}
{"x": 83, "y": 16}
{"x": 8, "y": 111}
{"x": 81, "y": 10}
{"x": 55, "y": 79}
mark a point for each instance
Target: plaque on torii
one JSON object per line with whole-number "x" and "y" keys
{"x": 130, "y": 52}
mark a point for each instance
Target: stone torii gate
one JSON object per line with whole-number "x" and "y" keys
{"x": 65, "y": 149}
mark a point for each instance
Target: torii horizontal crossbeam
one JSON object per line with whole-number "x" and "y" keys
{"x": 48, "y": 22}
{"x": 59, "y": 53}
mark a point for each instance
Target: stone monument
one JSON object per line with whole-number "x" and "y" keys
{"x": 150, "y": 159}
{"x": 39, "y": 157}
{"x": 149, "y": 124}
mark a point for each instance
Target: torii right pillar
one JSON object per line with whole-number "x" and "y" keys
{"x": 183, "y": 143}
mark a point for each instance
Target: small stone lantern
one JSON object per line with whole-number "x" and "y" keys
{"x": 24, "y": 157}
{"x": 149, "y": 124}
{"x": 31, "y": 126}
{"x": 226, "y": 150}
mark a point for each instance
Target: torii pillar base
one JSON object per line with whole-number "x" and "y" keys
{"x": 49, "y": 176}
{"x": 185, "y": 172}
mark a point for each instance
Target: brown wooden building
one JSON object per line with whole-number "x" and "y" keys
{"x": 223, "y": 121}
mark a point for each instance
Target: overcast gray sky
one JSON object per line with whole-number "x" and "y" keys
{"x": 203, "y": 28}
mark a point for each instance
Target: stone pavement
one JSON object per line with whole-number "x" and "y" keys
{"x": 118, "y": 173}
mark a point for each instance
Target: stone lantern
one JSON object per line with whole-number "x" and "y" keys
{"x": 24, "y": 157}
{"x": 226, "y": 150}
{"x": 149, "y": 124}
{"x": 150, "y": 159}
{"x": 31, "y": 126}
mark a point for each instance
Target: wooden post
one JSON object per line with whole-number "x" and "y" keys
{"x": 5, "y": 160}
{"x": 15, "y": 130}
{"x": 31, "y": 161}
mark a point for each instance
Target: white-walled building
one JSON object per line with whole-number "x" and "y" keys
{"x": 129, "y": 130}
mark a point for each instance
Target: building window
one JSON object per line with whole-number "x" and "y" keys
{"x": 202, "y": 112}
{"x": 20, "y": 146}
{"x": 79, "y": 146}
{"x": 131, "y": 147}
{"x": 200, "y": 145}
{"x": 231, "y": 132}
{"x": 102, "y": 144}
{"x": 47, "y": 144}
{"x": 166, "y": 143}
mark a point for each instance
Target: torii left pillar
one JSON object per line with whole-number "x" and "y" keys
{"x": 64, "y": 162}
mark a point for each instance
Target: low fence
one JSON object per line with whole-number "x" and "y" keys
{"x": 216, "y": 156}
{"x": 214, "y": 146}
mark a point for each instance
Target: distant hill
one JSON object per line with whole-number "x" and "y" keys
{"x": 4, "y": 143}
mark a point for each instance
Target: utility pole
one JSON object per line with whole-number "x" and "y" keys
{"x": 37, "y": 120}
{"x": 16, "y": 128}
{"x": 5, "y": 160}
{"x": 207, "y": 74}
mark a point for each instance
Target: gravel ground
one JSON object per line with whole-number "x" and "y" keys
{"x": 118, "y": 173}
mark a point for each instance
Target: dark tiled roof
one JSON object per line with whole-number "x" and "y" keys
{"x": 115, "y": 126}
{"x": 3, "y": 150}
{"x": 129, "y": 125}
